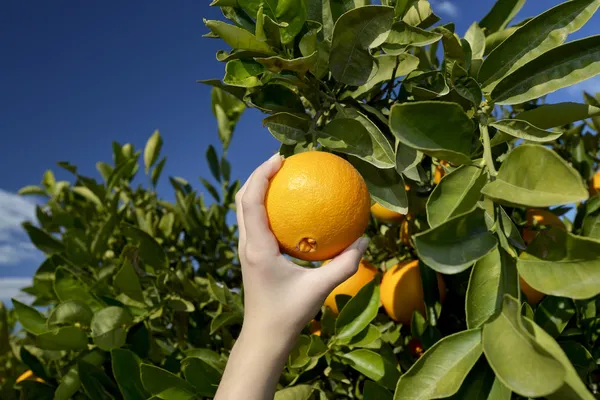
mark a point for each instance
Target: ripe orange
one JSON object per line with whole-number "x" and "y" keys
{"x": 365, "y": 274}
{"x": 538, "y": 217}
{"x": 439, "y": 172}
{"x": 533, "y": 296}
{"x": 594, "y": 187}
{"x": 402, "y": 291}
{"x": 317, "y": 204}
{"x": 28, "y": 375}
{"x": 384, "y": 214}
{"x": 315, "y": 327}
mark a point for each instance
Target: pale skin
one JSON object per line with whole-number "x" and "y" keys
{"x": 280, "y": 297}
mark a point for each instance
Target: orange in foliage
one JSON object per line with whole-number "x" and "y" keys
{"x": 538, "y": 217}
{"x": 365, "y": 274}
{"x": 533, "y": 296}
{"x": 415, "y": 348}
{"x": 317, "y": 205}
{"x": 28, "y": 375}
{"x": 315, "y": 327}
{"x": 384, "y": 214}
{"x": 439, "y": 172}
{"x": 595, "y": 184}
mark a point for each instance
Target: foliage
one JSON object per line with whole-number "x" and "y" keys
{"x": 144, "y": 294}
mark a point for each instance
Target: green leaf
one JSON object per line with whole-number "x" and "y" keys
{"x": 405, "y": 62}
{"x": 525, "y": 130}
{"x": 457, "y": 193}
{"x": 300, "y": 65}
{"x": 373, "y": 391}
{"x": 213, "y": 162}
{"x": 479, "y": 383}
{"x": 65, "y": 338}
{"x": 406, "y": 158}
{"x": 32, "y": 190}
{"x": 203, "y": 376}
{"x": 126, "y": 370}
{"x": 157, "y": 380}
{"x": 152, "y": 150}
{"x": 386, "y": 186}
{"x": 560, "y": 67}
{"x": 96, "y": 384}
{"x": 68, "y": 287}
{"x": 70, "y": 382}
{"x": 354, "y": 34}
{"x": 128, "y": 282}
{"x": 468, "y": 88}
{"x": 224, "y": 320}
{"x": 210, "y": 357}
{"x": 33, "y": 390}
{"x": 110, "y": 326}
{"x": 554, "y": 313}
{"x": 542, "y": 33}
{"x": 438, "y": 129}
{"x": 43, "y": 240}
{"x": 125, "y": 170}
{"x": 519, "y": 361}
{"x": 366, "y": 338}
{"x": 500, "y": 15}
{"x": 298, "y": 356}
{"x": 373, "y": 366}
{"x": 562, "y": 264}
{"x": 442, "y": 369}
{"x": 151, "y": 252}
{"x": 227, "y": 109}
{"x": 287, "y": 128}
{"x": 476, "y": 39}
{"x": 298, "y": 392}
{"x": 580, "y": 357}
{"x": 358, "y": 313}
{"x": 30, "y": 318}
{"x": 491, "y": 277}
{"x": 70, "y": 313}
{"x": 34, "y": 364}
{"x": 402, "y": 35}
{"x": 553, "y": 115}
{"x": 275, "y": 98}
{"x": 238, "y": 38}
{"x": 243, "y": 73}
{"x": 100, "y": 242}
{"x": 420, "y": 14}
{"x": 535, "y": 176}
{"x": 456, "y": 244}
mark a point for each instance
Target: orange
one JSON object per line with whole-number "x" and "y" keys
{"x": 384, "y": 214}
{"x": 439, "y": 172}
{"x": 365, "y": 274}
{"x": 595, "y": 184}
{"x": 538, "y": 217}
{"x": 415, "y": 348}
{"x": 315, "y": 327}
{"x": 28, "y": 375}
{"x": 533, "y": 296}
{"x": 402, "y": 291}
{"x": 317, "y": 205}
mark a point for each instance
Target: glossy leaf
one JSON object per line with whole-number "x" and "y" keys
{"x": 152, "y": 150}
{"x": 457, "y": 193}
{"x": 42, "y": 240}
{"x": 562, "y": 264}
{"x": 243, "y": 73}
{"x": 442, "y": 369}
{"x": 126, "y": 370}
{"x": 109, "y": 327}
{"x": 420, "y": 14}
{"x": 354, "y": 34}
{"x": 68, "y": 286}
{"x": 560, "y": 67}
{"x": 300, "y": 65}
{"x": 525, "y": 130}
{"x": 500, "y": 15}
{"x": 30, "y": 318}
{"x": 127, "y": 281}
{"x": 287, "y": 128}
{"x": 95, "y": 382}
{"x": 64, "y": 338}
{"x": 298, "y": 392}
{"x": 554, "y": 115}
{"x": 438, "y": 129}
{"x": 275, "y": 98}
{"x": 535, "y": 176}
{"x": 403, "y": 63}
{"x": 373, "y": 391}
{"x": 479, "y": 383}
{"x": 201, "y": 375}
{"x": 554, "y": 313}
{"x": 150, "y": 251}
{"x": 157, "y": 380}
{"x": 402, "y": 35}
{"x": 238, "y": 38}
{"x": 456, "y": 244}
{"x": 213, "y": 162}
{"x": 373, "y": 366}
{"x": 358, "y": 313}
{"x": 476, "y": 38}
{"x": 70, "y": 313}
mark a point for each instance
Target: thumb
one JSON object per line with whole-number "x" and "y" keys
{"x": 341, "y": 267}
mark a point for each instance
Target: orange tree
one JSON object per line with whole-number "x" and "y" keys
{"x": 463, "y": 159}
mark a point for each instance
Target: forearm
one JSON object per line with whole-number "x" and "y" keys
{"x": 254, "y": 367}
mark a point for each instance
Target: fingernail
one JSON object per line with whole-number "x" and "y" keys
{"x": 363, "y": 243}
{"x": 275, "y": 156}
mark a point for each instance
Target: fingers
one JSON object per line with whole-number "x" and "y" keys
{"x": 255, "y": 219}
{"x": 341, "y": 267}
{"x": 240, "y": 213}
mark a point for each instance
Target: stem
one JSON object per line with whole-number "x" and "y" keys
{"x": 487, "y": 150}
{"x": 313, "y": 126}
{"x": 390, "y": 87}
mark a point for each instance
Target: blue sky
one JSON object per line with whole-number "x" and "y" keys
{"x": 77, "y": 75}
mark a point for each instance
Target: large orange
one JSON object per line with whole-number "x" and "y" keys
{"x": 402, "y": 291}
{"x": 384, "y": 214}
{"x": 365, "y": 274}
{"x": 317, "y": 204}
{"x": 533, "y": 296}
{"x": 538, "y": 217}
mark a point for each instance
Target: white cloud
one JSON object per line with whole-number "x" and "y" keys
{"x": 446, "y": 7}
{"x": 11, "y": 287}
{"x": 14, "y": 243}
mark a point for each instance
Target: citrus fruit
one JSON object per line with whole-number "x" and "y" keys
{"x": 415, "y": 348}
{"x": 315, "y": 327}
{"x": 595, "y": 184}
{"x": 533, "y": 296}
{"x": 384, "y": 214}
{"x": 28, "y": 375}
{"x": 402, "y": 291}
{"x": 439, "y": 172}
{"x": 365, "y": 274}
{"x": 317, "y": 205}
{"x": 538, "y": 217}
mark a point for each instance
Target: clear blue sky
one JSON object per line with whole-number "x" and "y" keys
{"x": 77, "y": 75}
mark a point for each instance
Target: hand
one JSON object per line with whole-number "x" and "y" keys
{"x": 279, "y": 295}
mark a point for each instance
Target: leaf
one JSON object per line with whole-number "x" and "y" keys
{"x": 43, "y": 240}
{"x": 560, "y": 67}
{"x": 275, "y": 98}
{"x": 30, "y": 318}
{"x": 385, "y": 186}
{"x": 442, "y": 369}
{"x": 152, "y": 150}
{"x": 100, "y": 242}
{"x": 562, "y": 264}
{"x": 358, "y": 313}
{"x": 70, "y": 313}
{"x": 456, "y": 244}
{"x": 32, "y": 190}
{"x": 157, "y": 380}
{"x": 478, "y": 384}
{"x": 580, "y": 357}
{"x": 109, "y": 327}
{"x": 492, "y": 276}
{"x": 127, "y": 281}
{"x": 438, "y": 129}
{"x": 406, "y": 158}
{"x": 70, "y": 382}
{"x": 96, "y": 384}
{"x": 526, "y": 369}
{"x": 420, "y": 14}
{"x": 367, "y": 337}
{"x": 373, "y": 391}
{"x": 468, "y": 88}
{"x": 542, "y": 33}
{"x": 213, "y": 162}
{"x": 554, "y": 115}
{"x": 227, "y": 109}
{"x": 500, "y": 15}
{"x": 373, "y": 366}
{"x": 224, "y": 320}
{"x": 554, "y": 313}
{"x": 210, "y": 357}
{"x": 298, "y": 392}
{"x": 402, "y": 35}
{"x": 354, "y": 34}
{"x": 65, "y": 338}
{"x": 300, "y": 65}
{"x": 126, "y": 370}
{"x": 525, "y": 130}
{"x": 406, "y": 63}
{"x": 476, "y": 39}
{"x": 201, "y": 375}
{"x": 287, "y": 128}
{"x": 359, "y": 137}
{"x": 238, "y": 38}
{"x": 457, "y": 193}
{"x": 535, "y": 176}
{"x": 35, "y": 365}
{"x": 125, "y": 170}
{"x": 243, "y": 73}
{"x": 149, "y": 250}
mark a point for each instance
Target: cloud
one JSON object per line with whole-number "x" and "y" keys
{"x": 14, "y": 243}
{"x": 446, "y": 7}
{"x": 11, "y": 287}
